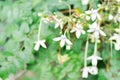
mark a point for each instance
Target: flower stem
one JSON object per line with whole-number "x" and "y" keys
{"x": 95, "y": 47}
{"x": 111, "y": 48}
{"x": 66, "y": 5}
{"x": 39, "y": 29}
{"x": 86, "y": 51}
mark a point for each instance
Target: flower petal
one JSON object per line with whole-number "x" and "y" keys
{"x": 62, "y": 43}
{"x": 93, "y": 17}
{"x": 43, "y": 45}
{"x": 37, "y": 45}
{"x": 68, "y": 42}
{"x": 78, "y": 33}
{"x": 57, "y": 39}
{"x": 102, "y": 33}
{"x": 73, "y": 30}
{"x": 94, "y": 61}
{"x": 98, "y": 16}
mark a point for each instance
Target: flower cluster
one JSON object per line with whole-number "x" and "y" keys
{"x": 73, "y": 25}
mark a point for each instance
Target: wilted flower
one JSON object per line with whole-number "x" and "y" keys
{"x": 63, "y": 39}
{"x": 93, "y": 70}
{"x": 39, "y": 43}
{"x": 94, "y": 14}
{"x": 94, "y": 58}
{"x": 78, "y": 30}
{"x": 96, "y": 30}
{"x": 63, "y": 58}
{"x": 85, "y": 72}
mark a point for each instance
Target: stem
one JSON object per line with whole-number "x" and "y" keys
{"x": 95, "y": 47}
{"x": 111, "y": 49}
{"x": 86, "y": 51}
{"x": 39, "y": 29}
{"x": 66, "y": 5}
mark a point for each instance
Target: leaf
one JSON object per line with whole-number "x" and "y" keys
{"x": 24, "y": 28}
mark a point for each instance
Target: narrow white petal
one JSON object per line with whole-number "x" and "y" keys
{"x": 84, "y": 74}
{"x": 37, "y": 45}
{"x": 57, "y": 25}
{"x": 93, "y": 17}
{"x": 43, "y": 45}
{"x": 94, "y": 61}
{"x": 62, "y": 43}
{"x": 90, "y": 57}
{"x": 61, "y": 26}
{"x": 117, "y": 46}
{"x": 83, "y": 32}
{"x": 57, "y": 39}
{"x": 88, "y": 12}
{"x": 68, "y": 42}
{"x": 98, "y": 16}
{"x": 78, "y": 33}
{"x": 90, "y": 30}
{"x": 98, "y": 58}
{"x": 96, "y": 34}
{"x": 102, "y": 33}
{"x": 73, "y": 30}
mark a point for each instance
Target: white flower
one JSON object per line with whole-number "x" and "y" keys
{"x": 63, "y": 39}
{"x": 85, "y": 71}
{"x": 94, "y": 14}
{"x": 39, "y": 43}
{"x": 58, "y": 22}
{"x": 94, "y": 59}
{"x": 78, "y": 30}
{"x": 93, "y": 70}
{"x": 96, "y": 30}
{"x": 85, "y": 2}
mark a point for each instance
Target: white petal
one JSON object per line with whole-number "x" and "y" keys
{"x": 78, "y": 33}
{"x": 57, "y": 25}
{"x": 94, "y": 61}
{"x": 68, "y": 42}
{"x": 83, "y": 32}
{"x": 37, "y": 45}
{"x": 62, "y": 43}
{"x": 88, "y": 12}
{"x": 93, "y": 17}
{"x": 96, "y": 34}
{"x": 43, "y": 45}
{"x": 57, "y": 39}
{"x": 61, "y": 26}
{"x": 102, "y": 33}
{"x": 117, "y": 46}
{"x": 98, "y": 16}
{"x": 85, "y": 73}
{"x": 90, "y": 30}
{"x": 73, "y": 30}
{"x": 90, "y": 57}
{"x": 98, "y": 58}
